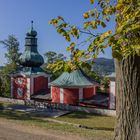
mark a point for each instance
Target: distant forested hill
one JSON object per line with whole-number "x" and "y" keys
{"x": 103, "y": 66}
{"x": 1, "y": 67}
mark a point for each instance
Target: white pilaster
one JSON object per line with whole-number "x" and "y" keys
{"x": 51, "y": 91}
{"x": 61, "y": 95}
{"x": 12, "y": 87}
{"x": 28, "y": 88}
{"x": 112, "y": 95}
{"x": 32, "y": 85}
{"x": 80, "y": 94}
{"x": 48, "y": 79}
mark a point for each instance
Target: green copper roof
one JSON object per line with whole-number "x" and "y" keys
{"x": 30, "y": 71}
{"x": 31, "y": 57}
{"x": 74, "y": 79}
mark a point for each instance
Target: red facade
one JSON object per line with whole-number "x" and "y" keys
{"x": 71, "y": 96}
{"x": 25, "y": 87}
{"x": 19, "y": 87}
{"x": 40, "y": 84}
{"x": 89, "y": 92}
{"x": 55, "y": 94}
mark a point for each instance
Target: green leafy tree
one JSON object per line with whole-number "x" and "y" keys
{"x": 51, "y": 58}
{"x": 125, "y": 44}
{"x": 60, "y": 56}
{"x": 5, "y": 78}
{"x": 105, "y": 83}
{"x": 1, "y": 87}
{"x": 12, "y": 46}
{"x": 74, "y": 63}
{"x": 90, "y": 73}
{"x": 12, "y": 55}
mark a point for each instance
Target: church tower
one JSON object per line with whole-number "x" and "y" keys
{"x": 30, "y": 79}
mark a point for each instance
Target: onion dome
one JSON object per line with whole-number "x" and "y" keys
{"x": 31, "y": 57}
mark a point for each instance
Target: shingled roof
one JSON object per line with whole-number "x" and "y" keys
{"x": 74, "y": 79}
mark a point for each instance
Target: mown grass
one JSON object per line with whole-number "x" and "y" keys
{"x": 2, "y": 105}
{"x": 104, "y": 124}
{"x": 90, "y": 120}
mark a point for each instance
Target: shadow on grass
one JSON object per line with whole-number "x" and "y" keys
{"x": 8, "y": 114}
{"x": 15, "y": 115}
{"x": 79, "y": 115}
{"x": 22, "y": 116}
{"x": 83, "y": 115}
{"x": 1, "y": 106}
{"x": 97, "y": 128}
{"x": 105, "y": 129}
{"x": 91, "y": 118}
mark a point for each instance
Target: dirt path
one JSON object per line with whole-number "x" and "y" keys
{"x": 11, "y": 130}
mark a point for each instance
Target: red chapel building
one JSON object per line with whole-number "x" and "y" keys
{"x": 71, "y": 88}
{"x": 30, "y": 79}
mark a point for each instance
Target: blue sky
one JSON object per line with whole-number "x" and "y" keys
{"x": 16, "y": 16}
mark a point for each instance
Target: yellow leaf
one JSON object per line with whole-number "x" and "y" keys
{"x": 103, "y": 24}
{"x": 119, "y": 6}
{"x": 86, "y": 15}
{"x": 88, "y": 56}
{"x": 59, "y": 17}
{"x": 91, "y": 1}
{"x": 110, "y": 32}
{"x": 93, "y": 24}
{"x": 72, "y": 44}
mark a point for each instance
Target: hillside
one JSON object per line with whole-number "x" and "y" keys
{"x": 103, "y": 66}
{"x": 1, "y": 67}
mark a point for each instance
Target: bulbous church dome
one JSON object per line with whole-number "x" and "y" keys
{"x": 31, "y": 57}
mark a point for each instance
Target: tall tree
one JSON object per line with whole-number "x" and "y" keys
{"x": 1, "y": 87}
{"x": 50, "y": 56}
{"x": 12, "y": 54}
{"x": 125, "y": 45}
{"x": 12, "y": 46}
{"x": 128, "y": 70}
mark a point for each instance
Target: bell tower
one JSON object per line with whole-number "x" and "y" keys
{"x": 30, "y": 79}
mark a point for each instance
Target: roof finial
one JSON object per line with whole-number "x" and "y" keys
{"x": 32, "y": 25}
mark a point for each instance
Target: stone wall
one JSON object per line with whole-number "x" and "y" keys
{"x": 10, "y": 100}
{"x": 98, "y": 111}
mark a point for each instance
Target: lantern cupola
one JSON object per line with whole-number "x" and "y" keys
{"x": 31, "y": 57}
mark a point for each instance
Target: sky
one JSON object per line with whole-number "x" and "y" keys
{"x": 16, "y": 16}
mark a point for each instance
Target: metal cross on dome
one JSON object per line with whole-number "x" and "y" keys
{"x": 32, "y": 22}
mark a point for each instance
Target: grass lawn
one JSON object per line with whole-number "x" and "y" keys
{"x": 90, "y": 120}
{"x": 104, "y": 125}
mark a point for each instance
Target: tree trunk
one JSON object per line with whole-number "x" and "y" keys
{"x": 128, "y": 98}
